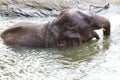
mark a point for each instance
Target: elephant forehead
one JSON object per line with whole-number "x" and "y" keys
{"x": 78, "y": 21}
{"x": 77, "y": 11}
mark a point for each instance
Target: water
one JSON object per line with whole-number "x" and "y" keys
{"x": 94, "y": 60}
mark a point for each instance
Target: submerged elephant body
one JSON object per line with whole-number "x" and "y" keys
{"x": 71, "y": 27}
{"x": 28, "y": 34}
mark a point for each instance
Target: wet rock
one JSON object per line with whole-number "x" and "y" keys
{"x": 42, "y": 8}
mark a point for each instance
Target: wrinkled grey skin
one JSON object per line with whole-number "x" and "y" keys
{"x": 71, "y": 27}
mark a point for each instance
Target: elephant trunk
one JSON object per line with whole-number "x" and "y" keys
{"x": 101, "y": 23}
{"x": 106, "y": 29}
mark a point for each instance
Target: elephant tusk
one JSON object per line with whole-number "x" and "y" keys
{"x": 103, "y": 29}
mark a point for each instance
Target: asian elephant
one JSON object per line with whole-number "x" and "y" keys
{"x": 71, "y": 27}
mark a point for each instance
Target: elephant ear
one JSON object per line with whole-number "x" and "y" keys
{"x": 55, "y": 31}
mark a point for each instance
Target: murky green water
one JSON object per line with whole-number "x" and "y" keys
{"x": 94, "y": 60}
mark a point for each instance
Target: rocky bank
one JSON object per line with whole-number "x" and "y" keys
{"x": 44, "y": 8}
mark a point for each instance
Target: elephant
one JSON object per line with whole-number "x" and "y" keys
{"x": 70, "y": 27}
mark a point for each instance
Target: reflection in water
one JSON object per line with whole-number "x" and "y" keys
{"x": 95, "y": 60}
{"x": 85, "y": 51}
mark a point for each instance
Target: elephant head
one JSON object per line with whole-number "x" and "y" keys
{"x": 83, "y": 20}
